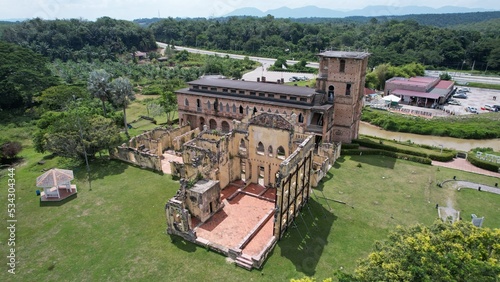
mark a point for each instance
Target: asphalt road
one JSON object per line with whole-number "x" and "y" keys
{"x": 457, "y": 76}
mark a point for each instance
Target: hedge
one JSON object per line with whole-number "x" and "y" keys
{"x": 475, "y": 161}
{"x": 350, "y": 146}
{"x": 442, "y": 157}
{"x": 397, "y": 155}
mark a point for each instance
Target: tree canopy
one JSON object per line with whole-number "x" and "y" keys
{"x": 440, "y": 252}
{"x": 397, "y": 42}
{"x": 23, "y": 75}
{"x": 78, "y": 39}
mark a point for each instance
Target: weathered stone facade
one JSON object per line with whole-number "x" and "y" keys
{"x": 146, "y": 150}
{"x": 331, "y": 112}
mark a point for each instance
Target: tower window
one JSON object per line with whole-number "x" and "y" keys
{"x": 342, "y": 66}
{"x": 348, "y": 89}
{"x": 331, "y": 93}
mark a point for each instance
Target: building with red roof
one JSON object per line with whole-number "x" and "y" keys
{"x": 420, "y": 90}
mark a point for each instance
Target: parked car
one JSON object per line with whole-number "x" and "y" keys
{"x": 460, "y": 96}
{"x": 454, "y": 102}
{"x": 472, "y": 110}
{"x": 497, "y": 108}
{"x": 489, "y": 108}
{"x": 463, "y": 89}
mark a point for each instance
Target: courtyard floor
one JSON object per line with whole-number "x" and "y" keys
{"x": 245, "y": 222}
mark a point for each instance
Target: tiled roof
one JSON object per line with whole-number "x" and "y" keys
{"x": 345, "y": 54}
{"x": 54, "y": 177}
{"x": 255, "y": 86}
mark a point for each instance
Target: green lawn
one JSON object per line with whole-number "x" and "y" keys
{"x": 116, "y": 231}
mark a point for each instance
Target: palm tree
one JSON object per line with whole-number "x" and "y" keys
{"x": 98, "y": 85}
{"x": 121, "y": 88}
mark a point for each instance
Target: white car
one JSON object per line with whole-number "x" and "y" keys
{"x": 472, "y": 110}
{"x": 489, "y": 108}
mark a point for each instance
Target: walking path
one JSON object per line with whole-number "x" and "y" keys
{"x": 459, "y": 184}
{"x": 464, "y": 165}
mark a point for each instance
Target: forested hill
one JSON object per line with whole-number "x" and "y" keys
{"x": 449, "y": 20}
{"x": 395, "y": 42}
{"x": 78, "y": 39}
{"x": 438, "y": 20}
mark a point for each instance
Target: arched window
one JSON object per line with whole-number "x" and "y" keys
{"x": 225, "y": 127}
{"x": 301, "y": 118}
{"x": 198, "y": 103}
{"x": 331, "y": 93}
{"x": 221, "y": 107}
{"x": 270, "y": 151}
{"x": 260, "y": 148}
{"x": 254, "y": 110}
{"x": 241, "y": 109}
{"x": 208, "y": 105}
{"x": 186, "y": 102}
{"x": 234, "y": 108}
{"x": 280, "y": 153}
{"x": 248, "y": 110}
{"x": 227, "y": 107}
{"x": 242, "y": 144}
{"x": 213, "y": 124}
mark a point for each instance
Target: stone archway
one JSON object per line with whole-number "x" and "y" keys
{"x": 202, "y": 123}
{"x": 225, "y": 127}
{"x": 212, "y": 124}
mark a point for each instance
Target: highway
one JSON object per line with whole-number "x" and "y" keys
{"x": 459, "y": 77}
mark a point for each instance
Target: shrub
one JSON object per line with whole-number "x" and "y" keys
{"x": 471, "y": 157}
{"x": 9, "y": 150}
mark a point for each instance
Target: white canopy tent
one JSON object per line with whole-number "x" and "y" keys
{"x": 391, "y": 98}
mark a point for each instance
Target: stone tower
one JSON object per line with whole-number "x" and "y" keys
{"x": 342, "y": 78}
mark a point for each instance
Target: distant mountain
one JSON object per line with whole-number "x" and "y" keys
{"x": 370, "y": 11}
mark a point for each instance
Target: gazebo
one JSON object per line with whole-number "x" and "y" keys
{"x": 56, "y": 184}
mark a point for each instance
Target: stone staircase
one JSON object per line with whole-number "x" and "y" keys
{"x": 244, "y": 261}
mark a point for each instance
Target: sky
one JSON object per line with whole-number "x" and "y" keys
{"x": 135, "y": 9}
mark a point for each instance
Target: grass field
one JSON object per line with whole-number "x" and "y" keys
{"x": 116, "y": 230}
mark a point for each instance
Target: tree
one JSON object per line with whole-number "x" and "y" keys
{"x": 98, "y": 85}
{"x": 9, "y": 150}
{"x": 169, "y": 102}
{"x": 445, "y": 76}
{"x": 441, "y": 252}
{"x": 122, "y": 95}
{"x": 23, "y": 75}
{"x": 77, "y": 131}
{"x": 57, "y": 98}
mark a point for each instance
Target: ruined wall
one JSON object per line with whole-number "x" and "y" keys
{"x": 294, "y": 178}
{"x": 203, "y": 202}
{"x": 270, "y": 138}
{"x": 136, "y": 157}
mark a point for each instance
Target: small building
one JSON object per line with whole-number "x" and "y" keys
{"x": 56, "y": 184}
{"x": 422, "y": 91}
{"x": 203, "y": 199}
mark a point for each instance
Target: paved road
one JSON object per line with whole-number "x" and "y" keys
{"x": 262, "y": 60}
{"x": 466, "y": 77}
{"x": 457, "y": 76}
{"x": 471, "y": 185}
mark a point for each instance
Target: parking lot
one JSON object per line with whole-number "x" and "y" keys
{"x": 477, "y": 98}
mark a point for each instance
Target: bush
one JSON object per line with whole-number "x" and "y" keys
{"x": 396, "y": 155}
{"x": 350, "y": 146}
{"x": 9, "y": 150}
{"x": 447, "y": 155}
{"x": 471, "y": 157}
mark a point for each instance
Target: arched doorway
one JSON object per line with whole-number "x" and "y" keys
{"x": 202, "y": 123}
{"x": 212, "y": 124}
{"x": 225, "y": 127}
